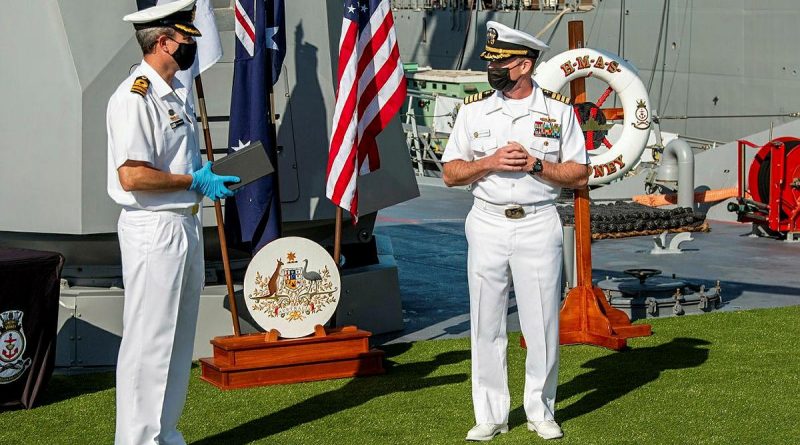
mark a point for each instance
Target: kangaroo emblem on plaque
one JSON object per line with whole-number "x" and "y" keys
{"x": 292, "y": 285}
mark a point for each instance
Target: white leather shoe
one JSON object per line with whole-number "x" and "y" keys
{"x": 546, "y": 429}
{"x": 484, "y": 432}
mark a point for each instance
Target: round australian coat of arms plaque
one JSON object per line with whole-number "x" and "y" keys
{"x": 292, "y": 285}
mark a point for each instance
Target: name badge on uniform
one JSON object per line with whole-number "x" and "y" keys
{"x": 175, "y": 120}
{"x": 481, "y": 134}
{"x": 547, "y": 128}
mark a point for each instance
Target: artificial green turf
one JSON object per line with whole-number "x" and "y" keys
{"x": 724, "y": 378}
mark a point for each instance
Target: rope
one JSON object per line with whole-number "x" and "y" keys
{"x": 658, "y": 46}
{"x": 663, "y": 57}
{"x": 466, "y": 33}
{"x": 699, "y": 197}
{"x": 553, "y": 22}
{"x": 729, "y": 116}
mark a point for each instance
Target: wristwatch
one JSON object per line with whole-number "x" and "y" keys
{"x": 537, "y": 167}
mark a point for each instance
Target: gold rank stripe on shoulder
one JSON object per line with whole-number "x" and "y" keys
{"x": 477, "y": 96}
{"x": 140, "y": 85}
{"x": 557, "y": 96}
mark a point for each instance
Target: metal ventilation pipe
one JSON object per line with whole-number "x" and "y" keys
{"x": 677, "y": 165}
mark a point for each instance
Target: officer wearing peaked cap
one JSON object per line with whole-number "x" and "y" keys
{"x": 516, "y": 145}
{"x": 156, "y": 175}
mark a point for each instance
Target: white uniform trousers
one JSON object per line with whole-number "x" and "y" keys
{"x": 163, "y": 272}
{"x": 529, "y": 250}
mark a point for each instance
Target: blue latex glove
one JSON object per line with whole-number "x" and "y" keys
{"x": 210, "y": 184}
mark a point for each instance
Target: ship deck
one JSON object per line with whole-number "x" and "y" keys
{"x": 427, "y": 235}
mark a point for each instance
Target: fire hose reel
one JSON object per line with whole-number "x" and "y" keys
{"x": 773, "y": 183}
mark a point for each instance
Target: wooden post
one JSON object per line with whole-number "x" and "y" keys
{"x": 337, "y": 249}
{"x": 586, "y": 316}
{"x": 577, "y": 87}
{"x": 337, "y": 237}
{"x": 223, "y": 244}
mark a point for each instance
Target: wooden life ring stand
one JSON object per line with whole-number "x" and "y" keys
{"x": 623, "y": 79}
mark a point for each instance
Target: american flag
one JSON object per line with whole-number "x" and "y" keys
{"x": 371, "y": 89}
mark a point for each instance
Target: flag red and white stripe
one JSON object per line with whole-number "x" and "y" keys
{"x": 244, "y": 29}
{"x": 371, "y": 89}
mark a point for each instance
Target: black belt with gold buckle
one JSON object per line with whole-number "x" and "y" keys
{"x": 515, "y": 213}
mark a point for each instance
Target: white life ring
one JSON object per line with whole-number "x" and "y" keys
{"x": 623, "y": 78}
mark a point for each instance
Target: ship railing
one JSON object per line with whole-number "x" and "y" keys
{"x": 422, "y": 139}
{"x": 496, "y": 5}
{"x": 701, "y": 143}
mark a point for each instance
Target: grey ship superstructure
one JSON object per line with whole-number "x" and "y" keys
{"x": 700, "y": 60}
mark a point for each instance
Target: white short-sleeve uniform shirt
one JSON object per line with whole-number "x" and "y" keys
{"x": 546, "y": 127}
{"x": 157, "y": 128}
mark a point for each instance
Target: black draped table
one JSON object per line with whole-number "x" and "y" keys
{"x": 29, "y": 291}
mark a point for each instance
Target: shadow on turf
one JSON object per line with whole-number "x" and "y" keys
{"x": 399, "y": 378}
{"x": 68, "y": 386}
{"x": 615, "y": 375}
{"x": 79, "y": 382}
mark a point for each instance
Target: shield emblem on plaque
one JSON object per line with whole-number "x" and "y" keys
{"x": 293, "y": 278}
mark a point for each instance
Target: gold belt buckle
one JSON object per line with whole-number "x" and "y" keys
{"x": 515, "y": 213}
{"x": 195, "y": 209}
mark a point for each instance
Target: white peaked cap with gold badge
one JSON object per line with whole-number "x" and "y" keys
{"x": 504, "y": 42}
{"x": 178, "y": 15}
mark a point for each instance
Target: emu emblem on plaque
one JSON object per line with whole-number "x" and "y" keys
{"x": 292, "y": 285}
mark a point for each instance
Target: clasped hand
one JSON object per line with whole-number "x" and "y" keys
{"x": 211, "y": 184}
{"x": 511, "y": 158}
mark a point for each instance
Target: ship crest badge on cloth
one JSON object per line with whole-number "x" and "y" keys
{"x": 12, "y": 347}
{"x": 547, "y": 128}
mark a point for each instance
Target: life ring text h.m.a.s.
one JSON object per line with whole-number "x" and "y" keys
{"x": 623, "y": 79}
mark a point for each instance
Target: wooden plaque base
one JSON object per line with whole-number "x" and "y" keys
{"x": 586, "y": 317}
{"x": 266, "y": 359}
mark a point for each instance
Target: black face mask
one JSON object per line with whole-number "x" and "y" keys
{"x": 185, "y": 54}
{"x": 499, "y": 78}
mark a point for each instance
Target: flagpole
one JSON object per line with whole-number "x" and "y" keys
{"x": 273, "y": 129}
{"x": 223, "y": 243}
{"x": 337, "y": 249}
{"x": 337, "y": 237}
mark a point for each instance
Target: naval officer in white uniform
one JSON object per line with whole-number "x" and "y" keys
{"x": 516, "y": 145}
{"x": 155, "y": 174}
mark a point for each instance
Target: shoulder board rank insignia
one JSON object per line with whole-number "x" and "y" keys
{"x": 140, "y": 85}
{"x": 477, "y": 96}
{"x": 556, "y": 96}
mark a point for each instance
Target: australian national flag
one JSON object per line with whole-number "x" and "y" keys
{"x": 253, "y": 215}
